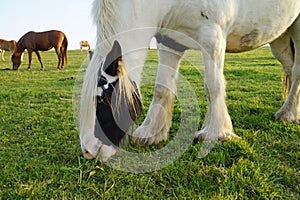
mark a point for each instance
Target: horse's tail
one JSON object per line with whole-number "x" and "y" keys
{"x": 287, "y": 79}
{"x": 64, "y": 49}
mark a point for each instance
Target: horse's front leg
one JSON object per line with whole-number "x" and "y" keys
{"x": 29, "y": 59}
{"x": 2, "y": 55}
{"x": 40, "y": 59}
{"x": 157, "y": 123}
{"x": 217, "y": 124}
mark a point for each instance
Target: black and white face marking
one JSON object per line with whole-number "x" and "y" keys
{"x": 114, "y": 113}
{"x": 106, "y": 128}
{"x": 104, "y": 82}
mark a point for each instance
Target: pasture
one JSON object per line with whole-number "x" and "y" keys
{"x": 40, "y": 156}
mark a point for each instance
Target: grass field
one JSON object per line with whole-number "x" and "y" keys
{"x": 40, "y": 156}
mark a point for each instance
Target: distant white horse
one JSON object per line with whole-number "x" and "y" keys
{"x": 212, "y": 26}
{"x": 7, "y": 46}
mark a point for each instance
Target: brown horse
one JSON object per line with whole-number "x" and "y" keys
{"x": 7, "y": 46}
{"x": 84, "y": 44}
{"x": 41, "y": 41}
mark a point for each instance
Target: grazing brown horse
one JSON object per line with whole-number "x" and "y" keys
{"x": 41, "y": 41}
{"x": 84, "y": 44}
{"x": 7, "y": 46}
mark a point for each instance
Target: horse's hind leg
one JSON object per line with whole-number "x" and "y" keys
{"x": 283, "y": 50}
{"x": 290, "y": 111}
{"x": 62, "y": 50}
{"x": 60, "y": 57}
{"x": 40, "y": 59}
{"x": 155, "y": 127}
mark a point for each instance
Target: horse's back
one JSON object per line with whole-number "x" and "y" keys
{"x": 56, "y": 33}
{"x": 45, "y": 34}
{"x": 246, "y": 24}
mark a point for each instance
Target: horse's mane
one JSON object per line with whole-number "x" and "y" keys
{"x": 106, "y": 18}
{"x": 20, "y": 47}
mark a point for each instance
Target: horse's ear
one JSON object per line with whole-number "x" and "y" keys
{"x": 113, "y": 60}
{"x": 116, "y": 49}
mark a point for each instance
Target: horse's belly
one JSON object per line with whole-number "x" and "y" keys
{"x": 237, "y": 42}
{"x": 251, "y": 28}
{"x": 246, "y": 24}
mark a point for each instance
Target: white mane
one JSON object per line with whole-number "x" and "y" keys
{"x": 104, "y": 11}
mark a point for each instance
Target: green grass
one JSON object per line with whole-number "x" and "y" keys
{"x": 40, "y": 156}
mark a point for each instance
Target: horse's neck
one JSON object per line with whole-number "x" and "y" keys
{"x": 134, "y": 40}
{"x": 20, "y": 48}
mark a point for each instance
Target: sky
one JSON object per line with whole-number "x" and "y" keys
{"x": 73, "y": 17}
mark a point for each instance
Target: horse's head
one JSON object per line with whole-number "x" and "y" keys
{"x": 118, "y": 105}
{"x": 16, "y": 59}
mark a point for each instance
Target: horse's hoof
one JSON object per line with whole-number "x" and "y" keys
{"x": 144, "y": 136}
{"x": 224, "y": 135}
{"x": 286, "y": 116}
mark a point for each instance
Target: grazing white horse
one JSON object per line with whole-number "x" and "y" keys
{"x": 211, "y": 26}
